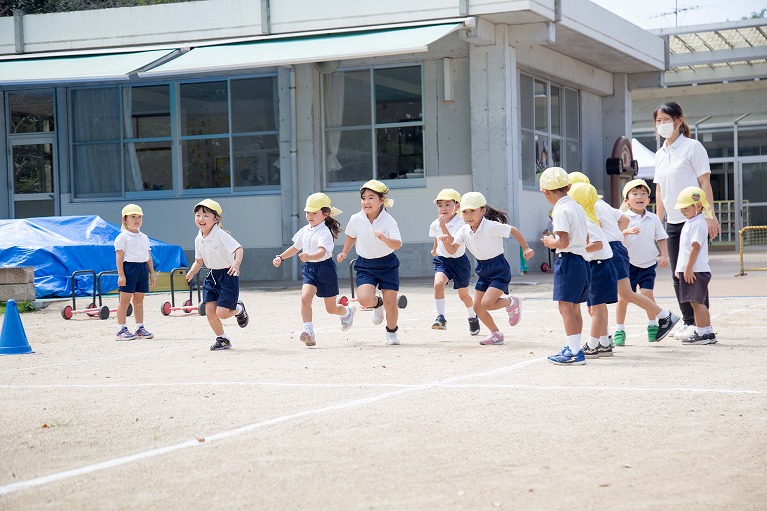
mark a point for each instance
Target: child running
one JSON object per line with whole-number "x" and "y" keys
{"x": 692, "y": 266}
{"x": 222, "y": 254}
{"x": 640, "y": 237}
{"x": 571, "y": 271}
{"x": 447, "y": 266}
{"x": 319, "y": 269}
{"x": 483, "y": 233}
{"x": 603, "y": 288}
{"x": 135, "y": 272}
{"x": 377, "y": 236}
{"x": 613, "y": 221}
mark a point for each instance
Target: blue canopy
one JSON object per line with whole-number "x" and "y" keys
{"x": 58, "y": 246}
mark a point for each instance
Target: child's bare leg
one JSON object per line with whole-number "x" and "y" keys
{"x": 598, "y": 320}
{"x": 571, "y": 317}
{"x": 494, "y": 299}
{"x": 440, "y": 281}
{"x": 138, "y": 308}
{"x": 333, "y": 307}
{"x": 463, "y": 294}
{"x": 122, "y": 307}
{"x": 625, "y": 292}
{"x": 482, "y": 313}
{"x": 307, "y": 295}
{"x": 366, "y": 295}
{"x": 702, "y": 315}
{"x": 620, "y": 311}
{"x": 211, "y": 313}
{"x": 390, "y": 306}
{"x": 649, "y": 294}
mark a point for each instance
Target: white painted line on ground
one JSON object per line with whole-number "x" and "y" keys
{"x": 39, "y": 481}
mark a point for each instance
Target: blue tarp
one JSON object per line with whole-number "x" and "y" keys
{"x": 58, "y": 246}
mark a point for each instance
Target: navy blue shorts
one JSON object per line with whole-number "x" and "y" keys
{"x": 604, "y": 284}
{"x": 493, "y": 272}
{"x": 571, "y": 278}
{"x": 323, "y": 275}
{"x": 697, "y": 292}
{"x": 382, "y": 272}
{"x": 643, "y": 278}
{"x": 222, "y": 288}
{"x": 457, "y": 269}
{"x": 136, "y": 278}
{"x": 620, "y": 259}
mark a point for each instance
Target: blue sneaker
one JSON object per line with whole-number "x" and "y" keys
{"x": 566, "y": 357}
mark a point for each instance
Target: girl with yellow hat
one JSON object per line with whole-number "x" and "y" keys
{"x": 314, "y": 241}
{"x": 376, "y": 235}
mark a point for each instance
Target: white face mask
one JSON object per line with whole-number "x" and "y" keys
{"x": 665, "y": 130}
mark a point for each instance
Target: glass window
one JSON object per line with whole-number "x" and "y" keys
{"x": 31, "y": 111}
{"x": 526, "y": 104}
{"x": 541, "y": 106}
{"x": 148, "y": 154}
{"x": 752, "y": 141}
{"x": 205, "y": 163}
{"x": 254, "y": 105}
{"x": 719, "y": 142}
{"x": 204, "y": 108}
{"x": 373, "y": 124}
{"x": 556, "y": 110}
{"x": 256, "y": 160}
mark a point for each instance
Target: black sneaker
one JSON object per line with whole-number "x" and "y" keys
{"x": 474, "y": 326}
{"x": 605, "y": 351}
{"x": 222, "y": 343}
{"x": 242, "y": 317}
{"x": 665, "y": 325}
{"x": 440, "y": 323}
{"x": 589, "y": 352}
{"x": 695, "y": 338}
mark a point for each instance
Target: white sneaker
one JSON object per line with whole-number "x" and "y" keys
{"x": 391, "y": 338}
{"x": 346, "y": 321}
{"x": 684, "y": 332}
{"x": 378, "y": 315}
{"x": 307, "y": 337}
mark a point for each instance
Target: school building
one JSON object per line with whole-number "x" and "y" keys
{"x": 259, "y": 104}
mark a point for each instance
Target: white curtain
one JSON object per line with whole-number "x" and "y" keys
{"x": 333, "y": 98}
{"x": 96, "y": 119}
{"x": 133, "y": 181}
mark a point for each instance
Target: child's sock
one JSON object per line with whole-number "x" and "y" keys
{"x": 652, "y": 322}
{"x": 604, "y": 340}
{"x": 309, "y": 326}
{"x": 440, "y": 306}
{"x": 663, "y": 314}
{"x": 139, "y": 325}
{"x": 709, "y": 329}
{"x": 348, "y": 310}
{"x": 620, "y": 327}
{"x": 592, "y": 343}
{"x": 120, "y": 327}
{"x": 574, "y": 342}
{"x": 700, "y": 330}
{"x": 223, "y": 334}
{"x": 470, "y": 311}
{"x": 239, "y": 308}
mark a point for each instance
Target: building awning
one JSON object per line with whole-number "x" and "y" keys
{"x": 306, "y": 49}
{"x": 76, "y": 68}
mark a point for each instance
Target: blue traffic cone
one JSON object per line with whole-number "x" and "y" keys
{"x": 13, "y": 340}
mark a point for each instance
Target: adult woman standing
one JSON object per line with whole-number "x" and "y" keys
{"x": 679, "y": 163}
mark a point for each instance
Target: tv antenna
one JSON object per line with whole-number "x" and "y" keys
{"x": 676, "y": 12}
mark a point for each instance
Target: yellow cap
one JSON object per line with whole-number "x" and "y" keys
{"x": 635, "y": 184}
{"x": 473, "y": 200}
{"x": 586, "y": 196}
{"x": 554, "y": 178}
{"x": 376, "y": 186}
{"x": 693, "y": 195}
{"x": 211, "y": 205}
{"x": 317, "y": 201}
{"x": 578, "y": 177}
{"x": 132, "y": 209}
{"x": 448, "y": 194}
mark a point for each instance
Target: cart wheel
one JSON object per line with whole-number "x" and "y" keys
{"x": 130, "y": 309}
{"x": 165, "y": 309}
{"x": 402, "y": 301}
{"x": 201, "y": 309}
{"x": 343, "y": 301}
{"x": 94, "y": 312}
{"x": 544, "y": 267}
{"x": 66, "y": 312}
{"x": 104, "y": 312}
{"x": 188, "y": 305}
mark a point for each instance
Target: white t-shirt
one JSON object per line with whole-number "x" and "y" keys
{"x": 567, "y": 216}
{"x": 217, "y": 249}
{"x": 608, "y": 220}
{"x": 368, "y": 246}
{"x": 487, "y": 241}
{"x": 695, "y": 230}
{"x": 435, "y": 231}
{"x": 597, "y": 234}
{"x": 135, "y": 246}
{"x": 310, "y": 239}
{"x": 676, "y": 168}
{"x": 641, "y": 247}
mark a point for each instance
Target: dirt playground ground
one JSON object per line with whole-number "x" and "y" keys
{"x": 436, "y": 423}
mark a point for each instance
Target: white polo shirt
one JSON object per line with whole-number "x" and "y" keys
{"x": 676, "y": 168}
{"x": 608, "y": 221}
{"x": 597, "y": 234}
{"x": 368, "y": 246}
{"x": 695, "y": 230}
{"x": 487, "y": 241}
{"x": 567, "y": 216}
{"x": 435, "y": 231}
{"x": 217, "y": 249}
{"x": 135, "y": 246}
{"x": 641, "y": 247}
{"x": 310, "y": 239}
